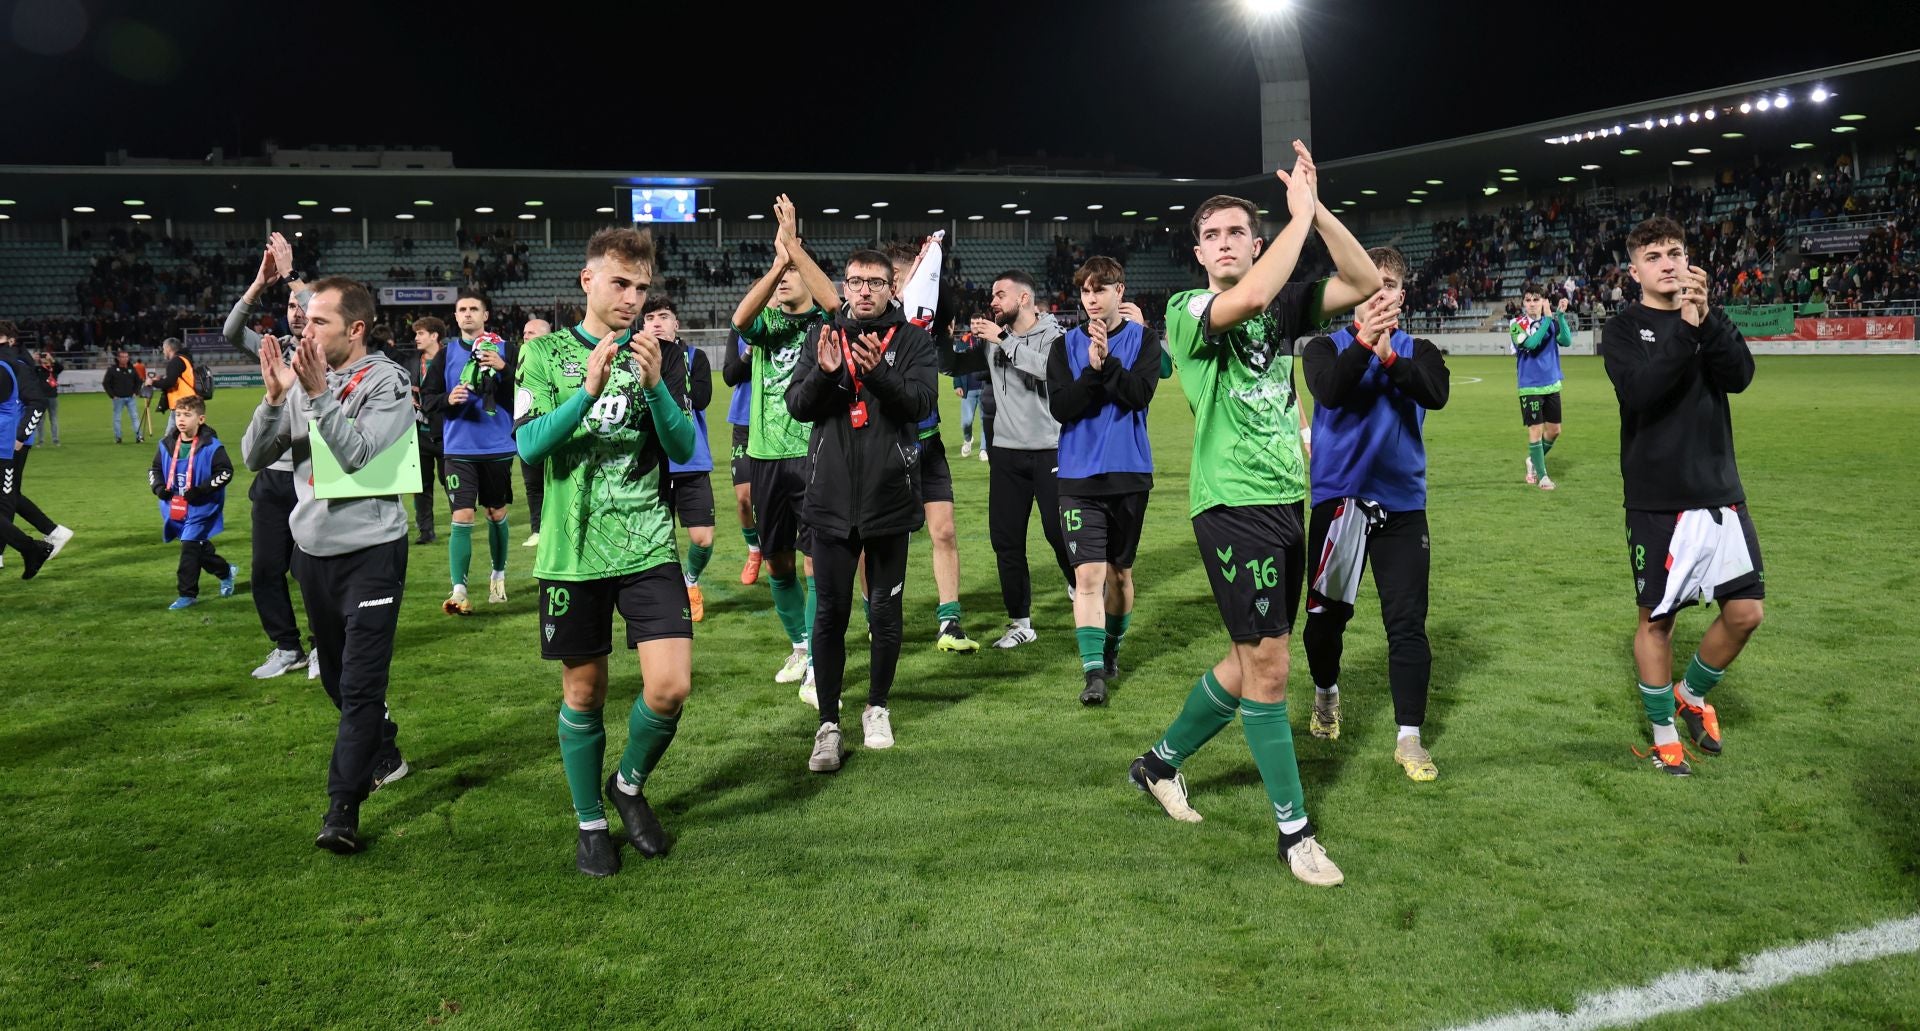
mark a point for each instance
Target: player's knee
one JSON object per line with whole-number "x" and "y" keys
{"x": 1743, "y": 618}
{"x": 1088, "y": 578}
{"x": 781, "y": 565}
{"x": 666, "y": 695}
{"x": 701, "y": 536}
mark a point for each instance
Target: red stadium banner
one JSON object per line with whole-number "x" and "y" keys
{"x": 1892, "y": 327}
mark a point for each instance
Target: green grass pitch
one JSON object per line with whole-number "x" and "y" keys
{"x": 995, "y": 868}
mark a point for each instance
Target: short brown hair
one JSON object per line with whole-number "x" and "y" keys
{"x": 9, "y": 330}
{"x": 1221, "y": 202}
{"x": 631, "y": 246}
{"x": 1532, "y": 290}
{"x": 1099, "y": 271}
{"x": 191, "y": 403}
{"x": 356, "y": 304}
{"x": 1386, "y": 259}
{"x": 901, "y": 255}
{"x": 431, "y": 325}
{"x": 1654, "y": 230}
{"x": 869, "y": 257}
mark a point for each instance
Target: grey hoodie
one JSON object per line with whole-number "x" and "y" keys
{"x": 242, "y": 336}
{"x": 375, "y": 415}
{"x": 1018, "y": 364}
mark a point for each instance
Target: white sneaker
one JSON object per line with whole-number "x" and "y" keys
{"x": 457, "y": 603}
{"x": 1171, "y": 792}
{"x": 808, "y": 693}
{"x": 1532, "y": 477}
{"x": 878, "y": 726}
{"x": 1309, "y": 862}
{"x": 826, "y": 749}
{"x": 966, "y": 448}
{"x": 1546, "y": 483}
{"x": 983, "y": 452}
{"x": 58, "y": 538}
{"x": 313, "y": 664}
{"x": 279, "y": 661}
{"x": 497, "y": 589}
{"x": 795, "y": 669}
{"x": 532, "y": 541}
{"x": 1016, "y": 636}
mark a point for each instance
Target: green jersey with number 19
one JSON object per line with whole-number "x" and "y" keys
{"x": 604, "y": 515}
{"x": 1239, "y": 384}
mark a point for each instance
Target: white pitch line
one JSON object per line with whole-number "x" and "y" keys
{"x": 1685, "y": 990}
{"x": 1468, "y": 379}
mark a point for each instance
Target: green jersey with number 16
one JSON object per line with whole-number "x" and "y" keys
{"x": 1239, "y": 384}
{"x": 604, "y": 514}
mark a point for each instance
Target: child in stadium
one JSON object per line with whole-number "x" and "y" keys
{"x": 189, "y": 475}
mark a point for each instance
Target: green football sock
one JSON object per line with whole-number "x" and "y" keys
{"x": 790, "y": 604}
{"x": 1116, "y": 632}
{"x": 583, "y": 747}
{"x": 1208, "y": 709}
{"x": 1546, "y": 445}
{"x": 1658, "y": 701}
{"x": 813, "y": 609}
{"x": 697, "y": 558}
{"x": 497, "y": 543}
{"x": 948, "y": 612}
{"x": 460, "y": 553}
{"x": 1702, "y": 678}
{"x": 648, "y": 735}
{"x": 752, "y": 537}
{"x": 1270, "y": 739}
{"x": 1537, "y": 455}
{"x": 1093, "y": 641}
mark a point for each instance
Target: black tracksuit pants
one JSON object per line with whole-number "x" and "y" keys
{"x": 431, "y": 476}
{"x": 1398, "y": 553}
{"x": 1016, "y": 481}
{"x": 194, "y": 557}
{"x": 273, "y": 500}
{"x": 833, "y": 581}
{"x": 353, "y": 607}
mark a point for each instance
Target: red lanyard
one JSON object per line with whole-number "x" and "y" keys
{"x": 847, "y": 356}
{"x": 347, "y": 391}
{"x": 174, "y": 462}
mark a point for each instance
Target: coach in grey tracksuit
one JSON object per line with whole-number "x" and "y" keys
{"x": 351, "y": 553}
{"x": 1026, "y": 442}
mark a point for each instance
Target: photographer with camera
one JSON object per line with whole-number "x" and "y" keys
{"x": 470, "y": 383}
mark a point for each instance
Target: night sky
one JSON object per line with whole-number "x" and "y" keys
{"x": 1163, "y": 87}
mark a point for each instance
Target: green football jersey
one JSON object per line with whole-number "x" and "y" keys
{"x": 775, "y": 339}
{"x": 603, "y": 515}
{"x": 1239, "y": 384}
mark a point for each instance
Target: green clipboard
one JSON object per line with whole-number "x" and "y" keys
{"x": 393, "y": 471}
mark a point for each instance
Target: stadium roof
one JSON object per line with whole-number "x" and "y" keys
{"x": 1875, "y": 99}
{"x": 1868, "y": 101}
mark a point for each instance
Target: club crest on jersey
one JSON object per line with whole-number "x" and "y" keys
{"x": 891, "y": 355}
{"x": 548, "y": 629}
{"x": 1647, "y": 335}
{"x": 574, "y": 369}
{"x": 1262, "y": 604}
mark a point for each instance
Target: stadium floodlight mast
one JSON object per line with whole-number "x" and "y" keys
{"x": 1267, "y": 8}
